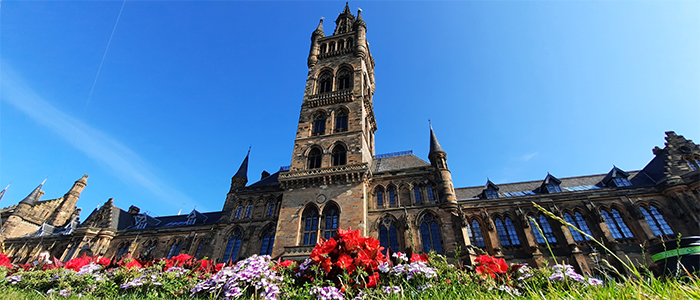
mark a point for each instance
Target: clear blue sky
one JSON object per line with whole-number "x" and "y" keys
{"x": 514, "y": 90}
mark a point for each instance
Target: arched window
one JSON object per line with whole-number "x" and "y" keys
{"x": 319, "y": 124}
{"x": 388, "y": 236}
{"x": 349, "y": 42}
{"x": 546, "y": 228}
{"x": 392, "y": 196}
{"x": 148, "y": 250}
{"x": 232, "y": 246}
{"x": 404, "y": 195}
{"x": 199, "y": 249}
{"x": 310, "y": 218}
{"x": 315, "y": 158}
{"x": 268, "y": 241}
{"x": 344, "y": 79}
{"x": 416, "y": 193}
{"x": 507, "y": 233}
{"x": 323, "y": 48}
{"x": 123, "y": 249}
{"x": 380, "y": 198}
{"x": 616, "y": 225}
{"x": 339, "y": 155}
{"x": 325, "y": 83}
{"x": 271, "y": 208}
{"x": 656, "y": 221}
{"x": 341, "y": 121}
{"x": 331, "y": 46}
{"x": 475, "y": 235}
{"x": 331, "y": 214}
{"x": 239, "y": 210}
{"x": 341, "y": 44}
{"x": 174, "y": 249}
{"x": 431, "y": 196}
{"x": 580, "y": 223}
{"x": 430, "y": 235}
{"x": 248, "y": 210}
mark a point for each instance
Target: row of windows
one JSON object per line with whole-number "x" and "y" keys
{"x": 320, "y": 119}
{"x": 508, "y": 235}
{"x": 233, "y": 245}
{"x": 338, "y": 157}
{"x": 343, "y": 81}
{"x": 310, "y": 223}
{"x": 269, "y": 211}
{"x": 333, "y": 46}
{"x": 391, "y": 198}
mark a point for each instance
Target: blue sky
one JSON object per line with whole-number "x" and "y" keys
{"x": 514, "y": 90}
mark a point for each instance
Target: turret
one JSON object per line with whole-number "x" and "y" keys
{"x": 344, "y": 22}
{"x": 360, "y": 35}
{"x": 241, "y": 178}
{"x": 314, "y": 51}
{"x": 438, "y": 159}
{"x": 64, "y": 212}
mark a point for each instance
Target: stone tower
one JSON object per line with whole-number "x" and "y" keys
{"x": 334, "y": 144}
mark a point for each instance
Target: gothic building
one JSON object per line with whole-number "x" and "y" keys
{"x": 336, "y": 180}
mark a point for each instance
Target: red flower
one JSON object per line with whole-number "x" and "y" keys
{"x": 219, "y": 266}
{"x": 415, "y": 257}
{"x": 104, "y": 261}
{"x": 447, "y": 280}
{"x": 77, "y": 263}
{"x": 134, "y": 264}
{"x": 345, "y": 262}
{"x": 373, "y": 280}
{"x": 490, "y": 266}
{"x": 286, "y": 263}
{"x": 5, "y": 261}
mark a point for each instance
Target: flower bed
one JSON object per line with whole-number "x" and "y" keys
{"x": 347, "y": 266}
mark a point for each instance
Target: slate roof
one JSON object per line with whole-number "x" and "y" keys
{"x": 567, "y": 185}
{"x": 395, "y": 163}
{"x": 269, "y": 180}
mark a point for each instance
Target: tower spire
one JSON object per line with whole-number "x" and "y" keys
{"x": 34, "y": 196}
{"x": 2, "y": 193}
{"x": 241, "y": 178}
{"x": 345, "y": 21}
{"x": 434, "y": 144}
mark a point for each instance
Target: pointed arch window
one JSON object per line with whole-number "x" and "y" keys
{"x": 248, "y": 210}
{"x": 124, "y": 249}
{"x": 475, "y": 235}
{"x": 416, "y": 193}
{"x": 310, "y": 226}
{"x": 271, "y": 208}
{"x": 325, "y": 83}
{"x": 339, "y": 155}
{"x": 344, "y": 79}
{"x": 546, "y": 228}
{"x": 319, "y": 127}
{"x": 431, "y": 195}
{"x": 507, "y": 233}
{"x": 239, "y": 210}
{"x": 380, "y": 198}
{"x": 149, "y": 248}
{"x": 174, "y": 249}
{"x": 656, "y": 221}
{"x": 392, "y": 196}
{"x": 616, "y": 225}
{"x": 388, "y": 236}
{"x": 232, "y": 246}
{"x": 315, "y": 158}
{"x": 430, "y": 235}
{"x": 341, "y": 121}
{"x": 331, "y": 216}
{"x": 268, "y": 241}
{"x": 580, "y": 223}
{"x": 199, "y": 249}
